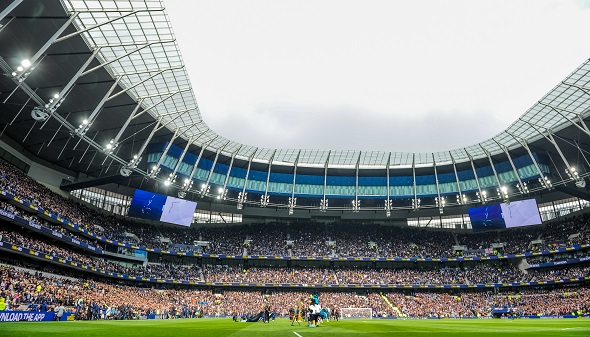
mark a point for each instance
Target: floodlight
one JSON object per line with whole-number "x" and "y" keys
{"x": 26, "y": 63}
{"x": 19, "y": 68}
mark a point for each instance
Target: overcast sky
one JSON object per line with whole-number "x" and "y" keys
{"x": 410, "y": 76}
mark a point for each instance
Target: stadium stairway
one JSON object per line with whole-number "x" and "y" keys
{"x": 523, "y": 265}
{"x": 456, "y": 238}
{"x": 395, "y": 309}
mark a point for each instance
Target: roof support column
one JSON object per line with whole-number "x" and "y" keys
{"x": 415, "y": 201}
{"x": 156, "y": 168}
{"x": 52, "y": 40}
{"x": 188, "y": 183}
{"x": 482, "y": 195}
{"x": 292, "y": 199}
{"x": 324, "y": 201}
{"x": 243, "y": 196}
{"x": 502, "y": 190}
{"x": 521, "y": 185}
{"x": 231, "y": 164}
{"x": 172, "y": 177}
{"x": 50, "y": 108}
{"x": 461, "y": 198}
{"x": 211, "y": 172}
{"x": 543, "y": 179}
{"x": 265, "y": 198}
{"x": 440, "y": 201}
{"x": 582, "y": 126}
{"x": 569, "y": 170}
{"x": 388, "y": 202}
{"x": 356, "y": 203}
{"x": 85, "y": 126}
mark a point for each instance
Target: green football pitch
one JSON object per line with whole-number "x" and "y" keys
{"x": 281, "y": 327}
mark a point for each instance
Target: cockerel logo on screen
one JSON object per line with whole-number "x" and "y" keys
{"x": 147, "y": 208}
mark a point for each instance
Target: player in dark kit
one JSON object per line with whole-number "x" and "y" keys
{"x": 335, "y": 314}
{"x": 266, "y": 318}
{"x": 294, "y": 316}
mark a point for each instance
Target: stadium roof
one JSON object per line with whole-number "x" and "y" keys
{"x": 137, "y": 42}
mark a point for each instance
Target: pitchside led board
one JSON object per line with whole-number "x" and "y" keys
{"x": 158, "y": 207}
{"x": 506, "y": 215}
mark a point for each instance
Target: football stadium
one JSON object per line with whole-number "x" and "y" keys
{"x": 124, "y": 212}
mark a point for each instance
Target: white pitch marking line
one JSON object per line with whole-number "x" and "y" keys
{"x": 297, "y": 334}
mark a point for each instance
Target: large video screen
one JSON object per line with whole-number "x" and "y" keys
{"x": 501, "y": 216}
{"x": 521, "y": 213}
{"x": 158, "y": 207}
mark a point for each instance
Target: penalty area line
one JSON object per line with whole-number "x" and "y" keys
{"x": 298, "y": 335}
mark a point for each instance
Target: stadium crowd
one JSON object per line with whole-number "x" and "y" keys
{"x": 317, "y": 275}
{"x": 98, "y": 300}
{"x": 567, "y": 301}
{"x": 308, "y": 238}
{"x": 161, "y": 271}
{"x": 303, "y": 275}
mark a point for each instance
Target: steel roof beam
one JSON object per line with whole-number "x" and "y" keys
{"x": 414, "y": 180}
{"x": 147, "y": 71}
{"x": 152, "y": 106}
{"x": 549, "y": 137}
{"x": 156, "y": 168}
{"x": 53, "y": 39}
{"x": 148, "y": 139}
{"x": 159, "y": 94}
{"x": 66, "y": 89}
{"x": 294, "y": 179}
{"x": 124, "y": 127}
{"x": 102, "y": 65}
{"x": 231, "y": 164}
{"x": 10, "y": 8}
{"x": 387, "y": 167}
{"x": 582, "y": 127}
{"x": 440, "y": 201}
{"x": 456, "y": 178}
{"x": 98, "y": 107}
{"x": 356, "y": 204}
{"x": 190, "y": 178}
{"x": 481, "y": 196}
{"x": 324, "y": 201}
{"x": 264, "y": 199}
{"x": 242, "y": 197}
{"x": 103, "y": 23}
{"x": 492, "y": 165}
{"x": 136, "y": 84}
{"x": 6, "y": 24}
{"x": 584, "y": 89}
{"x": 188, "y": 143}
{"x": 203, "y": 191}
{"x": 505, "y": 149}
{"x": 524, "y": 144}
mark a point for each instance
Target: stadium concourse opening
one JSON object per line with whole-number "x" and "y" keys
{"x": 122, "y": 212}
